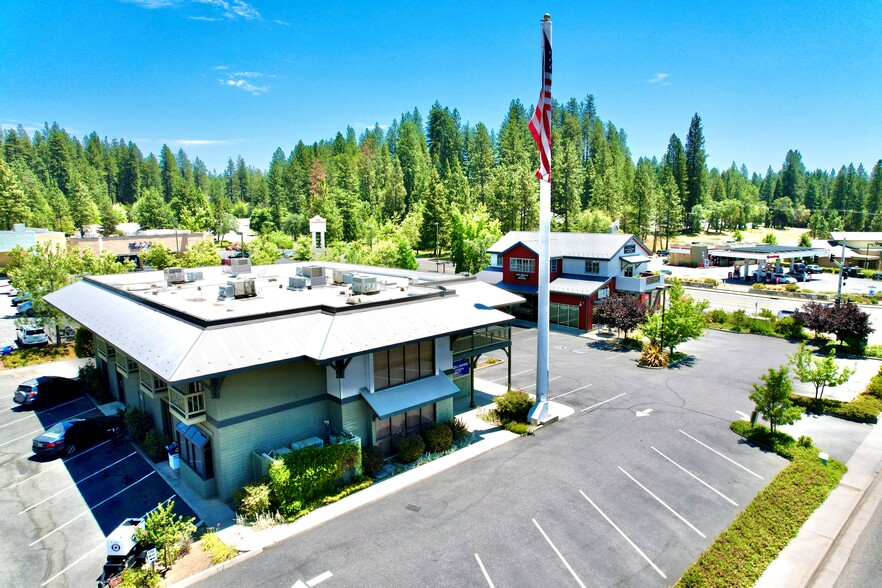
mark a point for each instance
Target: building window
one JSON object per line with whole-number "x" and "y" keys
{"x": 553, "y": 265}
{"x": 592, "y": 267}
{"x": 629, "y": 271}
{"x": 194, "y": 446}
{"x": 563, "y": 314}
{"x": 522, "y": 265}
{"x": 389, "y": 431}
{"x": 404, "y": 364}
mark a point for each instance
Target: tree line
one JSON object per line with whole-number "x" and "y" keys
{"x": 425, "y": 179}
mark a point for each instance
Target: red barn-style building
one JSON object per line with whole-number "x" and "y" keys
{"x": 585, "y": 268}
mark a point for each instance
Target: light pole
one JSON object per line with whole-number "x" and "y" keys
{"x": 841, "y": 272}
{"x": 177, "y": 247}
{"x": 436, "y": 240}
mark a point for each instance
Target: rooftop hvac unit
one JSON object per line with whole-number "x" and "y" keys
{"x": 192, "y": 276}
{"x": 240, "y": 265}
{"x": 313, "y": 271}
{"x": 297, "y": 283}
{"x": 318, "y": 281}
{"x": 364, "y": 284}
{"x": 225, "y": 292}
{"x": 338, "y": 276}
{"x": 243, "y": 288}
{"x": 174, "y": 275}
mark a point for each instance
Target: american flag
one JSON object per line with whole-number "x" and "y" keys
{"x": 540, "y": 124}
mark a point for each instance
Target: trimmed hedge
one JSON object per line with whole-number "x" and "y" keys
{"x": 741, "y": 553}
{"x": 410, "y": 448}
{"x": 863, "y": 409}
{"x": 306, "y": 475}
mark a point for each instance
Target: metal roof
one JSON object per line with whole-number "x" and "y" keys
{"x": 404, "y": 397}
{"x": 581, "y": 287}
{"x": 578, "y": 245}
{"x": 766, "y": 252}
{"x": 178, "y": 349}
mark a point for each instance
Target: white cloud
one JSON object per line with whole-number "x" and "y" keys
{"x": 282, "y": 22}
{"x": 660, "y": 78}
{"x": 233, "y": 8}
{"x": 203, "y": 18}
{"x": 221, "y": 67}
{"x": 243, "y": 85}
{"x": 151, "y": 4}
{"x": 247, "y": 74}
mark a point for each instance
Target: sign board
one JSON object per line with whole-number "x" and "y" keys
{"x": 150, "y": 556}
{"x": 630, "y": 248}
{"x": 460, "y": 368}
{"x": 773, "y": 256}
{"x": 317, "y": 224}
{"x": 522, "y": 276}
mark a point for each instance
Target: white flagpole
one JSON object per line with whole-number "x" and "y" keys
{"x": 540, "y": 411}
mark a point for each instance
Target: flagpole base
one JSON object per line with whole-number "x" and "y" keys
{"x": 540, "y": 413}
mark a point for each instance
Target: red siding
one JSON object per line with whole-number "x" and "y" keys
{"x": 573, "y": 300}
{"x": 510, "y": 277}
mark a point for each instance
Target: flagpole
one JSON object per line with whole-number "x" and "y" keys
{"x": 541, "y": 129}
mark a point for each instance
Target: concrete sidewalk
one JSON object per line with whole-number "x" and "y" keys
{"x": 818, "y": 553}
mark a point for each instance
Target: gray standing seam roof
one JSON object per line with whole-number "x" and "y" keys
{"x": 578, "y": 245}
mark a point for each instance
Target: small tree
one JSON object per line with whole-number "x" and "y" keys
{"x": 851, "y": 325}
{"x": 201, "y": 254}
{"x": 683, "y": 319}
{"x": 814, "y": 316}
{"x": 624, "y": 313}
{"x": 167, "y": 531}
{"x": 303, "y": 248}
{"x": 820, "y": 372}
{"x": 770, "y": 239}
{"x": 158, "y": 256}
{"x": 772, "y": 398}
{"x": 805, "y": 240}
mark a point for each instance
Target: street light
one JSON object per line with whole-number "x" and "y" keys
{"x": 841, "y": 272}
{"x": 436, "y": 240}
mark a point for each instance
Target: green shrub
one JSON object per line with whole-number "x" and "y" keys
{"x": 517, "y": 428}
{"x": 154, "y": 445}
{"x": 438, "y": 437}
{"x": 139, "y": 578}
{"x": 779, "y": 442}
{"x": 138, "y": 424}
{"x": 874, "y": 388}
{"x": 791, "y": 287}
{"x": 864, "y": 408}
{"x": 304, "y": 476}
{"x": 254, "y": 500}
{"x": 459, "y": 429}
{"x": 514, "y": 405}
{"x": 873, "y": 351}
{"x": 790, "y": 328}
{"x": 93, "y": 382}
{"x": 717, "y": 316}
{"x": 372, "y": 460}
{"x": 738, "y": 320}
{"x": 761, "y": 326}
{"x": 216, "y": 549}
{"x": 84, "y": 344}
{"x": 805, "y": 441}
{"x": 410, "y": 448}
{"x": 766, "y": 313}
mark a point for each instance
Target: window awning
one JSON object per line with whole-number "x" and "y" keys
{"x": 633, "y": 259}
{"x": 399, "y": 399}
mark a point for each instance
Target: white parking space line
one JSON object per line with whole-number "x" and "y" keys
{"x": 534, "y": 385}
{"x": 47, "y": 410}
{"x": 319, "y": 579}
{"x": 664, "y": 504}
{"x": 49, "y": 427}
{"x": 484, "y": 571}
{"x": 614, "y": 526}
{"x": 721, "y": 455}
{"x": 530, "y": 339}
{"x": 571, "y": 391}
{"x": 513, "y": 375}
{"x": 75, "y": 484}
{"x": 559, "y": 555}
{"x": 87, "y": 511}
{"x": 604, "y": 402}
{"x": 723, "y": 496}
{"x": 81, "y": 558}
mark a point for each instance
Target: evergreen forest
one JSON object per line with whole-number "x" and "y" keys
{"x": 427, "y": 178}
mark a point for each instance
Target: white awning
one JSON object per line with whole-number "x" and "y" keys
{"x": 399, "y": 399}
{"x": 634, "y": 259}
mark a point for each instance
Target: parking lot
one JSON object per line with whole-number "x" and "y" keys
{"x": 57, "y": 512}
{"x": 628, "y": 491}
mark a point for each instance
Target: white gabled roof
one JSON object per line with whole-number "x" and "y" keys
{"x": 577, "y": 245}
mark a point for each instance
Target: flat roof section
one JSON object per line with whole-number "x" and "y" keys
{"x": 768, "y": 252}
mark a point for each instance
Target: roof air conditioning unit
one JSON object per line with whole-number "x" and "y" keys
{"x": 297, "y": 283}
{"x": 313, "y": 271}
{"x": 243, "y": 288}
{"x": 338, "y": 277}
{"x": 362, "y": 284}
{"x": 240, "y": 265}
{"x": 174, "y": 275}
{"x": 224, "y": 292}
{"x": 192, "y": 276}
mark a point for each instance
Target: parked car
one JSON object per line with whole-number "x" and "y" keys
{"x": 813, "y": 269}
{"x": 877, "y": 275}
{"x": 26, "y": 308}
{"x": 784, "y": 279}
{"x": 662, "y": 252}
{"x": 226, "y": 260}
{"x": 68, "y": 436}
{"x": 782, "y": 314}
{"x": 18, "y": 299}
{"x": 45, "y": 391}
{"x": 31, "y": 336}
{"x": 800, "y": 276}
{"x": 853, "y": 272}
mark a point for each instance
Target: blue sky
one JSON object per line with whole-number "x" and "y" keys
{"x": 221, "y": 78}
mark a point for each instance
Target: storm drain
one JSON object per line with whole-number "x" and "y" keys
{"x": 414, "y": 507}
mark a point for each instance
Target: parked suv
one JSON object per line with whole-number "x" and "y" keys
{"x": 31, "y": 336}
{"x": 813, "y": 269}
{"x": 45, "y": 390}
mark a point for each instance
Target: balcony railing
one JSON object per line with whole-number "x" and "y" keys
{"x": 188, "y": 408}
{"x": 481, "y": 340}
{"x": 125, "y": 365}
{"x": 150, "y": 384}
{"x": 640, "y": 283}
{"x": 103, "y": 350}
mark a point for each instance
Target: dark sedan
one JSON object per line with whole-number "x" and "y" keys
{"x": 45, "y": 391}
{"x": 68, "y": 436}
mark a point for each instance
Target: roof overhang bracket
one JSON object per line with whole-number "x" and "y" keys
{"x": 340, "y": 366}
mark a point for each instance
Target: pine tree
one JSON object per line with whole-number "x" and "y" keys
{"x": 696, "y": 169}
{"x": 13, "y": 204}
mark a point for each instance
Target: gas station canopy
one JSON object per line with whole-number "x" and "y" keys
{"x": 770, "y": 253}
